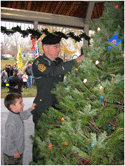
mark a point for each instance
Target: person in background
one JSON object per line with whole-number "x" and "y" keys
{"x": 20, "y": 73}
{"x": 4, "y": 78}
{"x": 30, "y": 74}
{"x": 10, "y": 71}
{"x": 14, "y": 129}
{"x": 23, "y": 69}
{"x": 15, "y": 83}
{"x": 13, "y": 68}
{"x": 15, "y": 64}
{"x": 7, "y": 69}
{"x": 25, "y": 78}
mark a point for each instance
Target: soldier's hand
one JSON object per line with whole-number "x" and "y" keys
{"x": 79, "y": 59}
{"x": 33, "y": 106}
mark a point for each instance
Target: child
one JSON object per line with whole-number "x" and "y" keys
{"x": 25, "y": 78}
{"x": 14, "y": 129}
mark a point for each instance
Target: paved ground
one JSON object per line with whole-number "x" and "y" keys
{"x": 29, "y": 130}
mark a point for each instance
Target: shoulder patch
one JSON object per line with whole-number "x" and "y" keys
{"x": 41, "y": 67}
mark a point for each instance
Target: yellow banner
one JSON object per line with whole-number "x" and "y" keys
{"x": 19, "y": 58}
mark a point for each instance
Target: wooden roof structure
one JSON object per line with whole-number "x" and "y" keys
{"x": 59, "y": 13}
{"x": 67, "y": 8}
{"x": 76, "y": 9}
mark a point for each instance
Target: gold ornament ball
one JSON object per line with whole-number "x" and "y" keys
{"x": 101, "y": 88}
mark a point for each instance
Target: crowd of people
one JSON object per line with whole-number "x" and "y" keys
{"x": 15, "y": 78}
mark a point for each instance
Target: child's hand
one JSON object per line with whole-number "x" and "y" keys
{"x": 33, "y": 106}
{"x": 16, "y": 155}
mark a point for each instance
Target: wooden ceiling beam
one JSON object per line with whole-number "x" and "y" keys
{"x": 41, "y": 17}
{"x": 95, "y": 12}
{"x": 38, "y": 6}
{"x": 70, "y": 8}
{"x": 33, "y": 7}
{"x": 43, "y": 6}
{"x": 83, "y": 14}
{"x": 100, "y": 8}
{"x": 81, "y": 9}
{"x": 49, "y": 3}
{"x": 62, "y": 8}
{"x": 9, "y": 4}
{"x": 14, "y": 4}
{"x": 53, "y": 6}
{"x": 67, "y": 7}
{"x": 19, "y": 4}
{"x": 76, "y": 5}
{"x": 57, "y": 7}
{"x": 89, "y": 11}
{"x": 28, "y": 5}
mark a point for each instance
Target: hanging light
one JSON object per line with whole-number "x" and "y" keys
{"x": 97, "y": 62}
{"x": 85, "y": 80}
{"x": 98, "y": 29}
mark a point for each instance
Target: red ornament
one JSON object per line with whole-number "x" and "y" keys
{"x": 84, "y": 162}
{"x": 62, "y": 119}
{"x": 116, "y": 6}
{"x": 33, "y": 42}
{"x": 33, "y": 45}
{"x": 50, "y": 146}
{"x": 31, "y": 37}
{"x": 66, "y": 143}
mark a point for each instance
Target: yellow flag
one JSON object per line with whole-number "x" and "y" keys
{"x": 19, "y": 58}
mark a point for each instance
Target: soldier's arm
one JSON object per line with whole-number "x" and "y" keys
{"x": 41, "y": 69}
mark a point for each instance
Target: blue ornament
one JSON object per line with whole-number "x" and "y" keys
{"x": 101, "y": 99}
{"x": 114, "y": 40}
{"x": 99, "y": 83}
{"x": 109, "y": 127}
{"x": 88, "y": 148}
{"x": 92, "y": 144}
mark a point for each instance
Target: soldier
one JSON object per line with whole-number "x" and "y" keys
{"x": 47, "y": 71}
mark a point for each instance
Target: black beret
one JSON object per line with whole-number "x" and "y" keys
{"x": 51, "y": 39}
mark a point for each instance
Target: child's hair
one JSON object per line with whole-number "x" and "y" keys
{"x": 11, "y": 99}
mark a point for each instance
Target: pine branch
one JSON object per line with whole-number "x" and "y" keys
{"x": 96, "y": 128}
{"x": 64, "y": 157}
{"x": 115, "y": 133}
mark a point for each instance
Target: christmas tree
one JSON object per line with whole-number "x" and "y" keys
{"x": 88, "y": 125}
